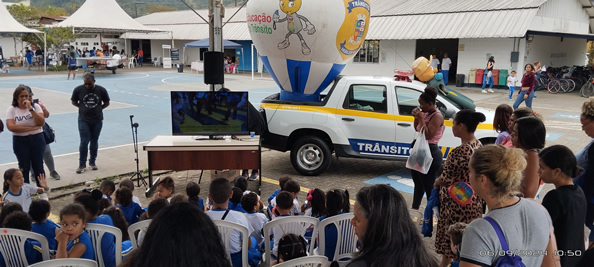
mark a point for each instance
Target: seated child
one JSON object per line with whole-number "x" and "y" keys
{"x": 284, "y": 207}
{"x": 193, "y": 190}
{"x": 290, "y": 247}
{"x": 257, "y": 220}
{"x": 177, "y": 197}
{"x": 73, "y": 241}
{"x": 165, "y": 188}
{"x": 455, "y": 232}
{"x": 39, "y": 212}
{"x": 20, "y": 220}
{"x": 107, "y": 187}
{"x": 91, "y": 202}
{"x": 235, "y": 200}
{"x": 7, "y": 209}
{"x": 315, "y": 203}
{"x": 219, "y": 192}
{"x": 15, "y": 190}
{"x": 281, "y": 184}
{"x": 292, "y": 187}
{"x": 130, "y": 210}
{"x": 153, "y": 208}
{"x": 119, "y": 221}
{"x": 130, "y": 185}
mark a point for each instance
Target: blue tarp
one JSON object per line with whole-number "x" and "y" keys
{"x": 204, "y": 43}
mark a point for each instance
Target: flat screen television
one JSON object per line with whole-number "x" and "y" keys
{"x": 209, "y": 113}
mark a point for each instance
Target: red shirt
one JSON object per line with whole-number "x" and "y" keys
{"x": 140, "y": 53}
{"x": 528, "y": 80}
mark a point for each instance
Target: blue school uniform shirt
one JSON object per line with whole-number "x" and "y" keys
{"x": 85, "y": 240}
{"x": 32, "y": 252}
{"x": 236, "y": 207}
{"x": 131, "y": 212}
{"x": 47, "y": 229}
{"x": 200, "y": 203}
{"x": 108, "y": 241}
{"x": 126, "y": 248}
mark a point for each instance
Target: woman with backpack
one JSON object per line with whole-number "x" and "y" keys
{"x": 516, "y": 230}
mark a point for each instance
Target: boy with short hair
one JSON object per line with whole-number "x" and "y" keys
{"x": 455, "y": 232}
{"x": 39, "y": 212}
{"x": 249, "y": 203}
{"x": 511, "y": 82}
{"x": 130, "y": 185}
{"x": 20, "y": 220}
{"x": 293, "y": 188}
{"x": 284, "y": 208}
{"x": 220, "y": 191}
{"x": 107, "y": 187}
{"x": 281, "y": 184}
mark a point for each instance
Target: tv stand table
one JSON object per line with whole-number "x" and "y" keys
{"x": 180, "y": 153}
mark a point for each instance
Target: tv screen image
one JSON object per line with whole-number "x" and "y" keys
{"x": 209, "y": 113}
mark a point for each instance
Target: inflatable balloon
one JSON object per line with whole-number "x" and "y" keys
{"x": 305, "y": 44}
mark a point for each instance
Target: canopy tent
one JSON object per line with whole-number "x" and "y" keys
{"x": 10, "y": 25}
{"x": 104, "y": 16}
{"x": 205, "y": 43}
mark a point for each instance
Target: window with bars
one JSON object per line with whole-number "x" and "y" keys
{"x": 369, "y": 52}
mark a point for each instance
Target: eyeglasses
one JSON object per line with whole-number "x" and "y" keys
{"x": 586, "y": 124}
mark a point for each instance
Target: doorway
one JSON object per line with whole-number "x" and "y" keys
{"x": 428, "y": 47}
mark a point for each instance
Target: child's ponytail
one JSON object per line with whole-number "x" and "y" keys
{"x": 8, "y": 174}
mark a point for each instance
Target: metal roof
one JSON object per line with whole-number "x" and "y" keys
{"x": 390, "y": 20}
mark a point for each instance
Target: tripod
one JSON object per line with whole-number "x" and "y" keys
{"x": 137, "y": 174}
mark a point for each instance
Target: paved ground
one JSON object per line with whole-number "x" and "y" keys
{"x": 144, "y": 93}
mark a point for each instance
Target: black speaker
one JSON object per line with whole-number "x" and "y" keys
{"x": 213, "y": 67}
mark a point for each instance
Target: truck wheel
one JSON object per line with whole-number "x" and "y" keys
{"x": 310, "y": 155}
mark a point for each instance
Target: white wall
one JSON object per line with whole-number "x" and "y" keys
{"x": 472, "y": 53}
{"x": 394, "y": 54}
{"x": 7, "y": 44}
{"x": 551, "y": 51}
{"x": 566, "y": 16}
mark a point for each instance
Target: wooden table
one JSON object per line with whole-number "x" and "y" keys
{"x": 180, "y": 153}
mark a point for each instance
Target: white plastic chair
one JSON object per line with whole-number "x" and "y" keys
{"x": 225, "y": 229}
{"x": 309, "y": 261}
{"x": 346, "y": 242}
{"x": 287, "y": 225}
{"x": 66, "y": 263}
{"x": 131, "y": 63}
{"x": 12, "y": 246}
{"x": 141, "y": 225}
{"x": 156, "y": 62}
{"x": 97, "y": 232}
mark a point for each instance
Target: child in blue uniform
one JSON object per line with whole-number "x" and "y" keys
{"x": 130, "y": 210}
{"x": 39, "y": 212}
{"x": 73, "y": 241}
{"x": 20, "y": 220}
{"x": 193, "y": 190}
{"x": 91, "y": 202}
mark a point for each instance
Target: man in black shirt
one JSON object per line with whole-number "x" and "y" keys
{"x": 90, "y": 99}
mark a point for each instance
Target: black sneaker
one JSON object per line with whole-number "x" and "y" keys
{"x": 55, "y": 175}
{"x": 93, "y": 167}
{"x": 253, "y": 177}
{"x": 80, "y": 169}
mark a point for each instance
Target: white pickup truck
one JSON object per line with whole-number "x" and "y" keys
{"x": 359, "y": 117}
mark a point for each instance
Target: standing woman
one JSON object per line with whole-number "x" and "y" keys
{"x": 525, "y": 93}
{"x": 456, "y": 170}
{"x": 495, "y": 173}
{"x": 428, "y": 119}
{"x": 529, "y": 135}
{"x": 488, "y": 75}
{"x": 585, "y": 159}
{"x": 25, "y": 120}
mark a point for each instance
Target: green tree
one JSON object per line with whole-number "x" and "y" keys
{"x": 56, "y": 37}
{"x": 22, "y": 13}
{"x": 152, "y": 8}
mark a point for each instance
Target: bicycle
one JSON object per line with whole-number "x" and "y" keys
{"x": 587, "y": 89}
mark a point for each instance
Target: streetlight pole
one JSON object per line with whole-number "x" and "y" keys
{"x": 136, "y": 8}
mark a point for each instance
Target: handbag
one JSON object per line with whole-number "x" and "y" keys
{"x": 420, "y": 158}
{"x": 48, "y": 134}
{"x": 461, "y": 193}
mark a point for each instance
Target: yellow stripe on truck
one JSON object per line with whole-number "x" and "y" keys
{"x": 360, "y": 113}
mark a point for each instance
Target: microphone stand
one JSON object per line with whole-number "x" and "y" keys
{"x": 137, "y": 174}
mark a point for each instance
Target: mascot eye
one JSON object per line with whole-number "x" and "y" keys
{"x": 291, "y": 4}
{"x": 282, "y": 3}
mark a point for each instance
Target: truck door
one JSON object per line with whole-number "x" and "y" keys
{"x": 365, "y": 120}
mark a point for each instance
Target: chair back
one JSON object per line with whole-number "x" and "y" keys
{"x": 12, "y": 246}
{"x": 307, "y": 261}
{"x": 225, "y": 230}
{"x": 287, "y": 225}
{"x": 346, "y": 240}
{"x": 96, "y": 233}
{"x": 141, "y": 225}
{"x": 66, "y": 263}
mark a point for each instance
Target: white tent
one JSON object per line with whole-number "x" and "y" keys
{"x": 103, "y": 16}
{"x": 9, "y": 25}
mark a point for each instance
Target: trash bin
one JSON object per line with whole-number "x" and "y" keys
{"x": 180, "y": 67}
{"x": 459, "y": 80}
{"x": 472, "y": 75}
{"x": 479, "y": 76}
{"x": 495, "y": 73}
{"x": 503, "y": 77}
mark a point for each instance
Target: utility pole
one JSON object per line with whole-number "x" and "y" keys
{"x": 216, "y": 12}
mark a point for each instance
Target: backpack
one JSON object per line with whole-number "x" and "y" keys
{"x": 507, "y": 260}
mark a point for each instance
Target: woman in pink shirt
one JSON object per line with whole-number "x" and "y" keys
{"x": 429, "y": 119}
